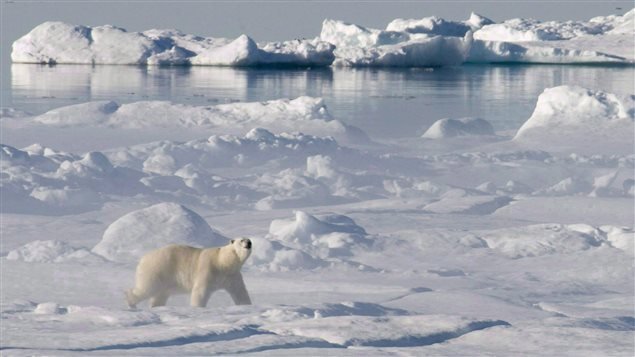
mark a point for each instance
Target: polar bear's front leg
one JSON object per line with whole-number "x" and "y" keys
{"x": 237, "y": 290}
{"x": 200, "y": 294}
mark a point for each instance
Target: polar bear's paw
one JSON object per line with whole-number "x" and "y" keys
{"x": 131, "y": 299}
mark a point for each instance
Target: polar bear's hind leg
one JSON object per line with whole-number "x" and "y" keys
{"x": 159, "y": 300}
{"x": 133, "y": 298}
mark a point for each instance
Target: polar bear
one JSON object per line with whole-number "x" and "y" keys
{"x": 199, "y": 271}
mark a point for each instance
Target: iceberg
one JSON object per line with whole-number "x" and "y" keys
{"x": 58, "y": 42}
{"x": 599, "y": 40}
{"x": 357, "y": 46}
{"x": 426, "y": 42}
{"x": 437, "y": 26}
{"x": 525, "y": 30}
{"x": 433, "y": 41}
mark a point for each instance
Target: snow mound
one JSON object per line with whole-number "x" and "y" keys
{"x": 271, "y": 255}
{"x": 136, "y": 233}
{"x": 544, "y": 239}
{"x": 42, "y": 180}
{"x": 257, "y": 147}
{"x": 51, "y": 251}
{"x": 327, "y": 236}
{"x": 357, "y": 46}
{"x": 447, "y": 128}
{"x": 58, "y": 42}
{"x": 306, "y": 114}
{"x": 565, "y": 109}
{"x": 620, "y": 238}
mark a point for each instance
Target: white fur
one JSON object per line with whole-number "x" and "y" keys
{"x": 182, "y": 269}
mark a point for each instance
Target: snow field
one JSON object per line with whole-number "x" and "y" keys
{"x": 503, "y": 246}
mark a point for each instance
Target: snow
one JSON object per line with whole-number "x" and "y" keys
{"x": 505, "y": 243}
{"x": 567, "y": 113}
{"x": 58, "y": 42}
{"x": 136, "y": 233}
{"x": 51, "y": 251}
{"x": 332, "y": 235}
{"x": 426, "y": 42}
{"x": 357, "y": 46}
{"x": 449, "y": 127}
{"x": 521, "y": 30}
{"x": 438, "y": 26}
{"x": 307, "y": 114}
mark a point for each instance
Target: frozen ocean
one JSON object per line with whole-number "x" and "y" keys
{"x": 437, "y": 187}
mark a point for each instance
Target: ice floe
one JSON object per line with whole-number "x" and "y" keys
{"x": 357, "y": 46}
{"x": 59, "y": 42}
{"x": 425, "y": 42}
{"x": 521, "y": 30}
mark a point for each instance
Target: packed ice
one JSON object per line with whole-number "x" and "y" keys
{"x": 59, "y": 42}
{"x": 459, "y": 239}
{"x": 427, "y": 42}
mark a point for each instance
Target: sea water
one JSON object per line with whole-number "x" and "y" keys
{"x": 388, "y": 103}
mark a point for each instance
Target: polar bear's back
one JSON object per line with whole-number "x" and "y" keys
{"x": 172, "y": 267}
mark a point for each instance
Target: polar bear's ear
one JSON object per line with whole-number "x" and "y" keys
{"x": 232, "y": 241}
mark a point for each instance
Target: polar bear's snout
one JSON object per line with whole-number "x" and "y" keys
{"x": 247, "y": 243}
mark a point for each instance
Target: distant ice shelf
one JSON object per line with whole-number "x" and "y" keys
{"x": 426, "y": 42}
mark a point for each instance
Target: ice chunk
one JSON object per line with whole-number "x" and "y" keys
{"x": 360, "y": 46}
{"x": 437, "y": 26}
{"x": 520, "y": 30}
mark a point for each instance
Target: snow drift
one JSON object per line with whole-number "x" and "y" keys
{"x": 306, "y": 114}
{"x": 567, "y": 111}
{"x": 327, "y": 236}
{"x": 447, "y": 128}
{"x": 51, "y": 251}
{"x": 59, "y": 42}
{"x": 131, "y": 236}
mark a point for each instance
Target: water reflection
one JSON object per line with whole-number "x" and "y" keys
{"x": 384, "y": 102}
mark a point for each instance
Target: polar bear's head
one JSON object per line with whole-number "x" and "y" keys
{"x": 242, "y": 247}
